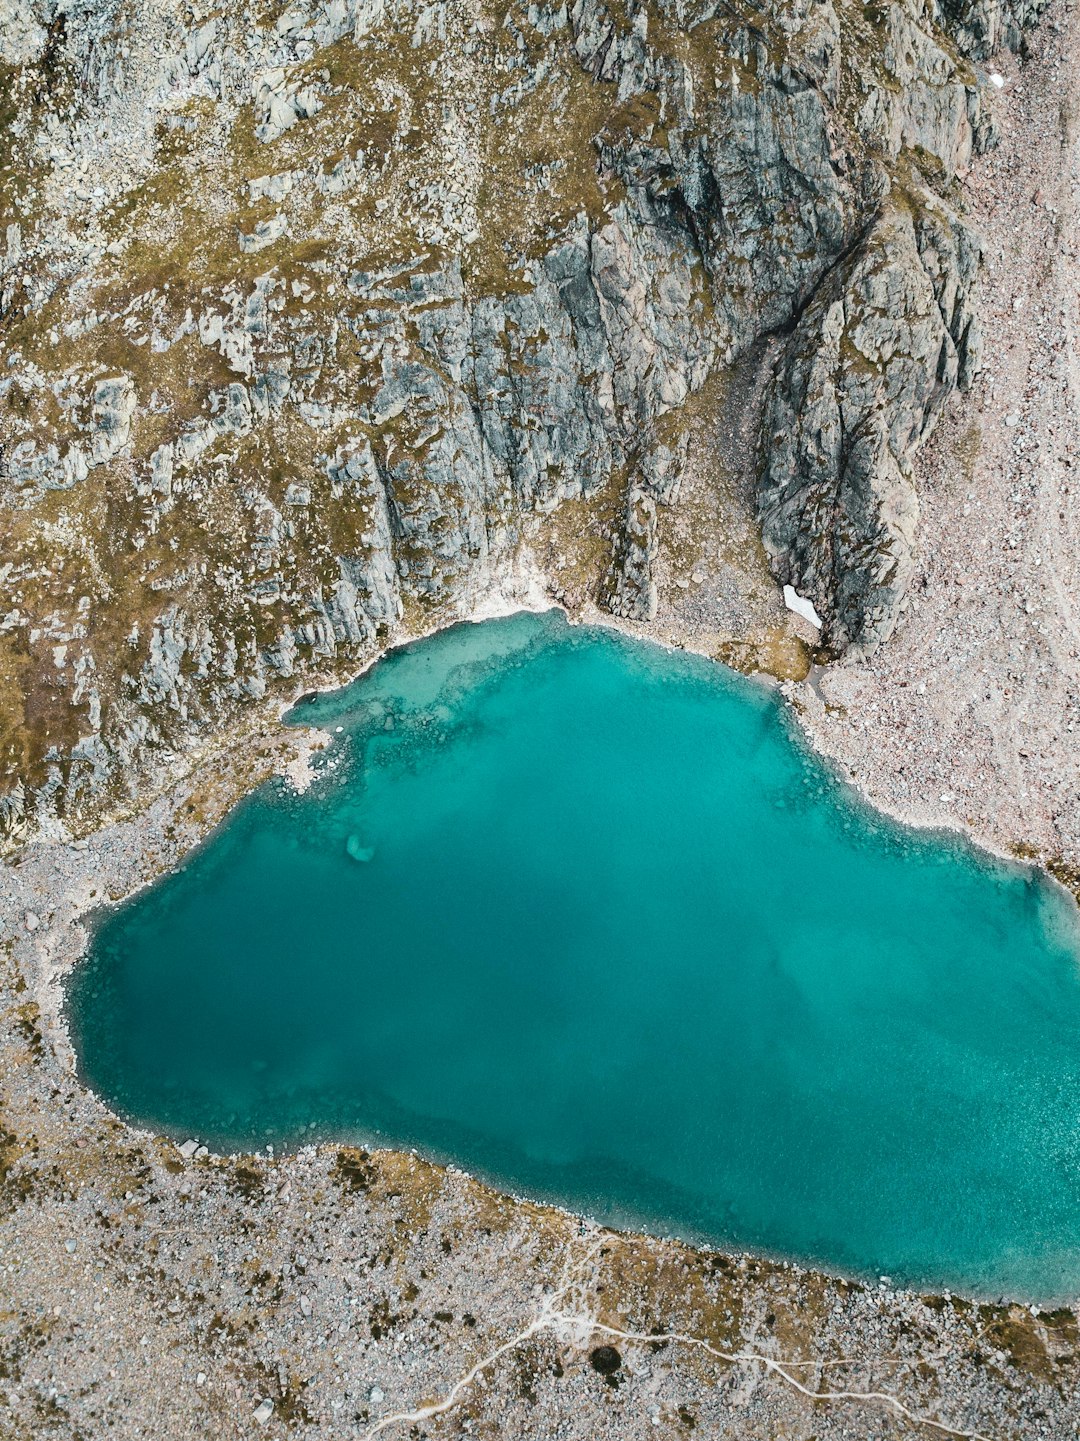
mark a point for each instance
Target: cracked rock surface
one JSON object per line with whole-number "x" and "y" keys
{"x": 319, "y": 324}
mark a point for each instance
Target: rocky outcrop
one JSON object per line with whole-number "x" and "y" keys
{"x": 980, "y": 27}
{"x": 313, "y": 324}
{"x": 857, "y": 388}
{"x": 630, "y": 591}
{"x": 891, "y": 330}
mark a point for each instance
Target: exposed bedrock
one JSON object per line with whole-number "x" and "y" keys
{"x": 980, "y": 27}
{"x": 858, "y": 386}
{"x": 309, "y": 325}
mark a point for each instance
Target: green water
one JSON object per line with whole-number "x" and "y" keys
{"x": 585, "y": 917}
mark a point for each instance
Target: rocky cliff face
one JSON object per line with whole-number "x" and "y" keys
{"x": 859, "y": 384}
{"x": 312, "y": 319}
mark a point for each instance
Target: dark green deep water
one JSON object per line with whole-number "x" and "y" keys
{"x": 586, "y": 917}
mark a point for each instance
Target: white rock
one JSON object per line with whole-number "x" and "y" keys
{"x": 113, "y": 408}
{"x": 187, "y": 1149}
{"x": 801, "y": 606}
{"x": 200, "y": 1379}
{"x": 266, "y": 232}
{"x": 31, "y": 921}
{"x": 996, "y": 80}
{"x": 263, "y": 1411}
{"x": 69, "y": 1247}
{"x": 199, "y": 43}
{"x": 270, "y": 187}
{"x": 161, "y": 469}
{"x": 375, "y": 1395}
{"x": 305, "y": 1305}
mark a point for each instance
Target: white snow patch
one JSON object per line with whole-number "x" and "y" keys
{"x": 801, "y": 606}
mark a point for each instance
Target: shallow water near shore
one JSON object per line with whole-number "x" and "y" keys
{"x": 586, "y": 917}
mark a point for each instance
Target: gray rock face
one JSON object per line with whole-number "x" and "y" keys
{"x": 980, "y": 27}
{"x": 516, "y": 404}
{"x": 856, "y": 389}
{"x": 750, "y": 170}
{"x": 755, "y": 174}
{"x": 860, "y": 382}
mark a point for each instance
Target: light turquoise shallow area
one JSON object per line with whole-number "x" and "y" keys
{"x": 587, "y": 918}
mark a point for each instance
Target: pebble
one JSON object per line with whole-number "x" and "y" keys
{"x": 31, "y": 922}
{"x": 375, "y": 1395}
{"x": 305, "y": 1305}
{"x": 200, "y": 1379}
{"x": 263, "y": 1411}
{"x": 70, "y": 1246}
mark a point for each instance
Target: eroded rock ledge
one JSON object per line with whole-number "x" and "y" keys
{"x": 314, "y": 321}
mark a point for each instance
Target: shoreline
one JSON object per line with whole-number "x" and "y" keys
{"x": 387, "y": 1222}
{"x": 793, "y": 695}
{"x": 304, "y": 742}
{"x": 77, "y": 935}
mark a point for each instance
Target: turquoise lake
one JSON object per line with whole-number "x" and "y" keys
{"x": 587, "y": 918}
